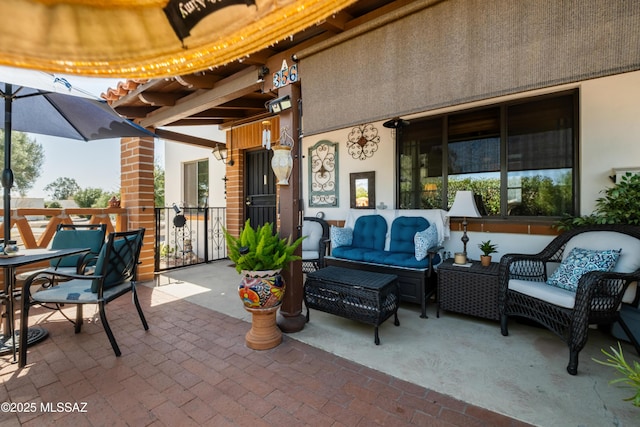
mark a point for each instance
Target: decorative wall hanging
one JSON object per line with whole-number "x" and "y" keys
{"x": 363, "y": 190}
{"x": 323, "y": 174}
{"x": 363, "y": 141}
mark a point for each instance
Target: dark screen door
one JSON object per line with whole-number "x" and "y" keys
{"x": 261, "y": 188}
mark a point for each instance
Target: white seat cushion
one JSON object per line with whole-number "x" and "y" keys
{"x": 310, "y": 255}
{"x": 75, "y": 291}
{"x": 544, "y": 292}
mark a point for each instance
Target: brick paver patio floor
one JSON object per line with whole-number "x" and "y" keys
{"x": 192, "y": 368}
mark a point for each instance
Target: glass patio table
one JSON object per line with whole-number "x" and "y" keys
{"x": 9, "y": 339}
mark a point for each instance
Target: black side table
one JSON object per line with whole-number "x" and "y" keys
{"x": 469, "y": 290}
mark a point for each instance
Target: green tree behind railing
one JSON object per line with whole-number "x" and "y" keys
{"x": 62, "y": 188}
{"x": 158, "y": 185}
{"x": 27, "y": 158}
{"x": 87, "y": 197}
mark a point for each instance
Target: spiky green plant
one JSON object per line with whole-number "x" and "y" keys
{"x": 631, "y": 374}
{"x": 260, "y": 248}
{"x": 487, "y": 248}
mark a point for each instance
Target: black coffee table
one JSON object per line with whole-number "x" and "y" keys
{"x": 354, "y": 294}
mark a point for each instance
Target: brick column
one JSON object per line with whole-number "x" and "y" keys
{"x": 235, "y": 184}
{"x": 137, "y": 195}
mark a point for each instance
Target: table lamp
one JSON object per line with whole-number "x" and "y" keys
{"x": 464, "y": 206}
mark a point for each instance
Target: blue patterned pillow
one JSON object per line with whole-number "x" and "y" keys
{"x": 423, "y": 240}
{"x": 579, "y": 262}
{"x": 341, "y": 236}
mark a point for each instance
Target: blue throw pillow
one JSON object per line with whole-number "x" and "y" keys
{"x": 423, "y": 240}
{"x": 340, "y": 236}
{"x": 581, "y": 261}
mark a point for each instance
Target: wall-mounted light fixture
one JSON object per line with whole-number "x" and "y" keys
{"x": 279, "y": 104}
{"x": 220, "y": 152}
{"x": 262, "y": 72}
{"x": 394, "y": 124}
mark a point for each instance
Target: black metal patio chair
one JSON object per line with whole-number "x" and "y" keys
{"x": 115, "y": 275}
{"x": 68, "y": 236}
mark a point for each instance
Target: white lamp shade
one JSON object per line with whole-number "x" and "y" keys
{"x": 464, "y": 206}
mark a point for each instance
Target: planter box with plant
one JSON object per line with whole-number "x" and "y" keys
{"x": 259, "y": 253}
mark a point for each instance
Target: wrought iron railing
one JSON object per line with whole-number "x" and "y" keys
{"x": 188, "y": 236}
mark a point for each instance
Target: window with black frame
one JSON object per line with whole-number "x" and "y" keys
{"x": 518, "y": 157}
{"x": 420, "y": 183}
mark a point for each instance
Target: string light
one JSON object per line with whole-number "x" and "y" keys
{"x": 201, "y": 53}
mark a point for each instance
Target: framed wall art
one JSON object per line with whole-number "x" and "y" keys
{"x": 323, "y": 174}
{"x": 363, "y": 190}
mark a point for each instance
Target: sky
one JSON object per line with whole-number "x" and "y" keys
{"x": 93, "y": 164}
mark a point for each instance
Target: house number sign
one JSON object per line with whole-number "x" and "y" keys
{"x": 286, "y": 75}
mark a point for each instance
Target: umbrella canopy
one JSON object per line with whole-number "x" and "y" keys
{"x": 57, "y": 114}
{"x": 148, "y": 38}
{"x": 66, "y": 116}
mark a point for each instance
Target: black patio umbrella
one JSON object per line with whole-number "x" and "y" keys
{"x": 56, "y": 114}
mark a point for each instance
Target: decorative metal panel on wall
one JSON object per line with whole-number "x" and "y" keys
{"x": 363, "y": 141}
{"x": 323, "y": 174}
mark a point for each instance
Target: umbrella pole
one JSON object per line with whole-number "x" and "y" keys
{"x": 7, "y": 183}
{"x": 7, "y": 173}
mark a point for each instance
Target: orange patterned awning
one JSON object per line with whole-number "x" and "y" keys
{"x": 135, "y": 39}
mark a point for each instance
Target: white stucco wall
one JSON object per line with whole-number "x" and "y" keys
{"x": 176, "y": 154}
{"x": 609, "y": 134}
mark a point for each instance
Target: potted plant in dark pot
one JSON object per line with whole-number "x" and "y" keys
{"x": 260, "y": 255}
{"x": 487, "y": 249}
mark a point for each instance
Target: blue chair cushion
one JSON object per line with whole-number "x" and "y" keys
{"x": 370, "y": 232}
{"x": 120, "y": 259}
{"x": 67, "y": 239}
{"x": 350, "y": 252}
{"x": 396, "y": 259}
{"x": 403, "y": 231}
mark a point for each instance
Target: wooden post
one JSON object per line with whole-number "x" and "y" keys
{"x": 290, "y": 317}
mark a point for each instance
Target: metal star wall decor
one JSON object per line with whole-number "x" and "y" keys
{"x": 363, "y": 141}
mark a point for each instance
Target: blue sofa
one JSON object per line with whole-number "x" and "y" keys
{"x": 368, "y": 250}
